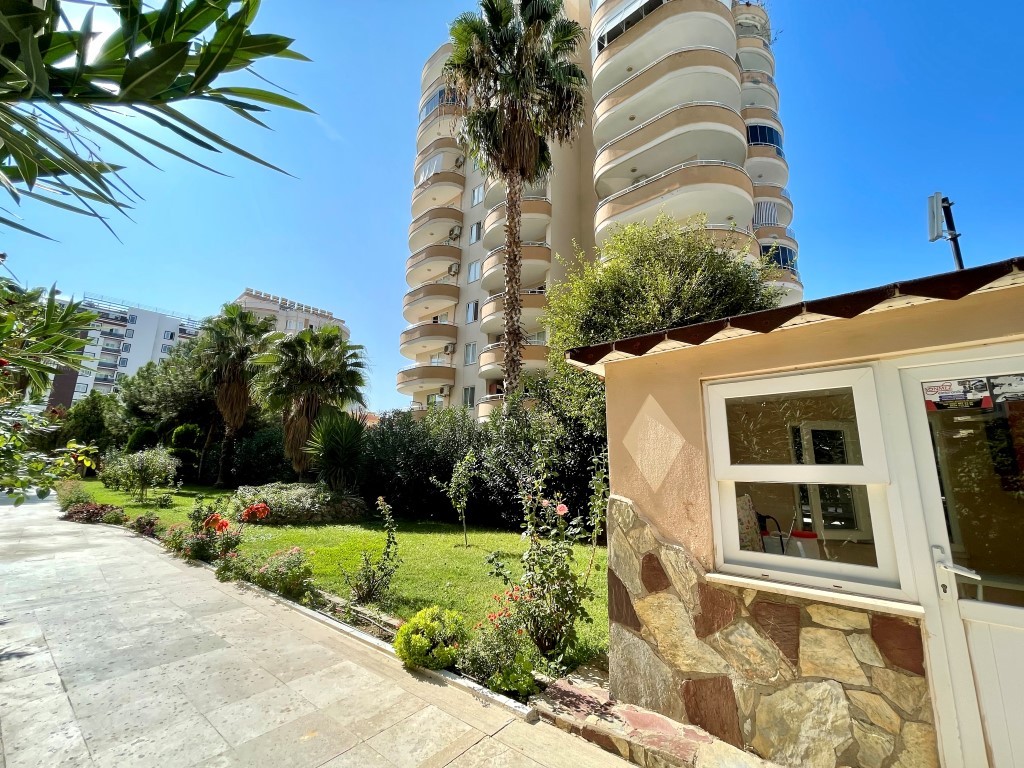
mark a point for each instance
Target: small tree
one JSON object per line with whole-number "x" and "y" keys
{"x": 371, "y": 581}
{"x": 336, "y": 447}
{"x": 459, "y": 487}
{"x": 137, "y": 473}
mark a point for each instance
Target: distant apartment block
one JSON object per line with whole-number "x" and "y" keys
{"x": 291, "y": 316}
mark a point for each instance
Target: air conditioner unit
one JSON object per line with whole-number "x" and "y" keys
{"x": 453, "y": 269}
{"x": 455, "y": 232}
{"x": 446, "y": 390}
{"x": 449, "y": 349}
{"x": 459, "y": 162}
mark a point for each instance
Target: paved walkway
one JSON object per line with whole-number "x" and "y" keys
{"x": 113, "y": 654}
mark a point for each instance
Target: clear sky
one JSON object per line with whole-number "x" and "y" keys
{"x": 883, "y": 102}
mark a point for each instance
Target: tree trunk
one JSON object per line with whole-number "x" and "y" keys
{"x": 513, "y": 302}
{"x": 227, "y": 447}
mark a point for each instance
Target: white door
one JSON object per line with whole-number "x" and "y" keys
{"x": 967, "y": 428}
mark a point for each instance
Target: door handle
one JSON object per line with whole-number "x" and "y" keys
{"x": 958, "y": 570}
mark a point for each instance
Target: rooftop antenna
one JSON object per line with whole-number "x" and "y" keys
{"x": 940, "y": 225}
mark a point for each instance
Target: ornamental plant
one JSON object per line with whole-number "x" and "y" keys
{"x": 371, "y": 581}
{"x": 89, "y": 512}
{"x": 209, "y": 537}
{"x": 137, "y": 473}
{"x": 431, "y": 639}
{"x": 500, "y": 653}
{"x": 287, "y": 572}
{"x": 145, "y": 525}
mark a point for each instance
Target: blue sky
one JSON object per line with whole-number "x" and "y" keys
{"x": 883, "y": 104}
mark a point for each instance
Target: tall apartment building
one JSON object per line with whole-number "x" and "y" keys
{"x": 685, "y": 121}
{"x": 123, "y": 339}
{"x": 290, "y": 316}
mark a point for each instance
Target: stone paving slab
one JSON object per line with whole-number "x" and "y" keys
{"x": 115, "y": 655}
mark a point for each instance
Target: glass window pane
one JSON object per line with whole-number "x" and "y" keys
{"x": 812, "y": 428}
{"x": 823, "y": 522}
{"x": 977, "y": 429}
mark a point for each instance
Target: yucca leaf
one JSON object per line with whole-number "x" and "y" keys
{"x": 267, "y": 97}
{"x": 163, "y": 28}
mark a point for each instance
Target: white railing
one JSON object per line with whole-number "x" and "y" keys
{"x": 501, "y": 296}
{"x": 525, "y": 244}
{"x": 669, "y": 172}
{"x": 655, "y": 63}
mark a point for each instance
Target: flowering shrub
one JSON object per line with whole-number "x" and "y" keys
{"x": 551, "y": 593}
{"x": 297, "y": 504}
{"x": 431, "y": 638}
{"x": 209, "y": 537}
{"x": 371, "y": 581}
{"x": 115, "y": 517}
{"x": 287, "y": 572}
{"x": 500, "y": 653}
{"x": 255, "y": 513}
{"x": 145, "y": 525}
{"x": 89, "y": 512}
{"x": 137, "y": 473}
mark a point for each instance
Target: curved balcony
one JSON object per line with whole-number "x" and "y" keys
{"x": 645, "y": 36}
{"x": 437, "y": 124}
{"x": 494, "y": 192}
{"x": 429, "y": 299}
{"x": 534, "y": 220}
{"x": 442, "y": 144}
{"x": 783, "y": 237}
{"x": 536, "y": 261}
{"x": 492, "y": 360}
{"x": 720, "y": 190}
{"x": 434, "y": 225}
{"x": 488, "y": 404}
{"x": 696, "y": 74}
{"x": 735, "y": 240}
{"x": 434, "y": 66}
{"x": 762, "y": 116}
{"x": 788, "y": 283}
{"x": 702, "y": 129}
{"x": 766, "y": 164}
{"x": 437, "y": 190}
{"x": 424, "y": 338}
{"x": 759, "y": 90}
{"x": 424, "y": 376}
{"x": 430, "y": 263}
{"x": 492, "y": 312}
{"x": 779, "y": 195}
{"x": 750, "y": 13}
{"x": 754, "y": 52}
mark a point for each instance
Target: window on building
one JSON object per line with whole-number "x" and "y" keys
{"x": 438, "y": 358}
{"x": 123, "y": 362}
{"x": 291, "y": 325}
{"x": 469, "y": 396}
{"x": 120, "y": 376}
{"x": 85, "y": 374}
{"x": 537, "y": 337}
{"x": 473, "y": 271}
{"x": 125, "y": 347}
{"x": 765, "y": 134}
{"x": 133, "y": 319}
{"x": 472, "y": 311}
{"x": 169, "y": 335}
{"x": 474, "y": 233}
{"x": 469, "y": 357}
{"x": 442, "y": 318}
{"x": 129, "y": 333}
{"x": 800, "y": 480}
{"x": 89, "y": 354}
{"x": 434, "y": 399}
{"x": 81, "y": 387}
{"x": 478, "y": 194}
{"x": 165, "y": 348}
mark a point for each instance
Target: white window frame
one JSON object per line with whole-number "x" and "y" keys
{"x": 469, "y": 354}
{"x": 881, "y": 581}
{"x": 469, "y": 394}
{"x": 473, "y": 272}
{"x": 478, "y": 195}
{"x": 475, "y": 232}
{"x": 472, "y": 311}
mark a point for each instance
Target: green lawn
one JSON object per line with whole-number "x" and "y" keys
{"x": 436, "y": 568}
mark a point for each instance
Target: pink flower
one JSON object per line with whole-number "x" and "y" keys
{"x": 561, "y": 509}
{"x": 545, "y": 503}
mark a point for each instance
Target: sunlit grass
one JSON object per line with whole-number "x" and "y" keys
{"x": 437, "y": 569}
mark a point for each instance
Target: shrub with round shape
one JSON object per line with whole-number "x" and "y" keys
{"x": 431, "y": 638}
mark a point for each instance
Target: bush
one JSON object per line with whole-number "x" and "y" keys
{"x": 336, "y": 446}
{"x": 165, "y": 501}
{"x": 259, "y": 458}
{"x": 371, "y": 582}
{"x": 298, "y": 504}
{"x": 145, "y": 525}
{"x": 70, "y": 492}
{"x": 142, "y": 438}
{"x": 431, "y": 638}
{"x": 89, "y": 512}
{"x": 136, "y": 473}
{"x": 287, "y": 572}
{"x": 189, "y": 469}
{"x": 115, "y": 517}
{"x": 500, "y": 654}
{"x": 186, "y": 436}
{"x": 209, "y": 536}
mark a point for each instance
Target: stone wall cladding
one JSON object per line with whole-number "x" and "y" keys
{"x": 796, "y": 682}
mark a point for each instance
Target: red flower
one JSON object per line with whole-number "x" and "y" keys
{"x": 222, "y": 525}
{"x": 4, "y": 362}
{"x": 16, "y": 426}
{"x": 212, "y": 521}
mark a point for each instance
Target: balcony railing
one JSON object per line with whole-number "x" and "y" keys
{"x": 104, "y": 379}
{"x": 753, "y": 36}
{"x": 113, "y": 334}
{"x": 113, "y": 318}
{"x": 776, "y": 147}
{"x": 501, "y": 296}
{"x": 669, "y": 172}
{"x": 757, "y": 76}
{"x": 655, "y": 63}
{"x": 662, "y": 114}
{"x": 107, "y": 365}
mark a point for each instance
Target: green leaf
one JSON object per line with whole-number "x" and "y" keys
{"x": 153, "y": 72}
{"x": 22, "y": 228}
{"x": 267, "y": 97}
{"x": 163, "y": 28}
{"x": 198, "y": 16}
{"x": 33, "y": 65}
{"x": 16, "y": 15}
{"x": 59, "y": 45}
{"x": 220, "y": 51}
{"x": 264, "y": 45}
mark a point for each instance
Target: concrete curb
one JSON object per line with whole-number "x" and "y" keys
{"x": 525, "y": 712}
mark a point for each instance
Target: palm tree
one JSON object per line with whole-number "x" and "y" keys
{"x": 513, "y": 66}
{"x": 304, "y": 373}
{"x": 226, "y": 348}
